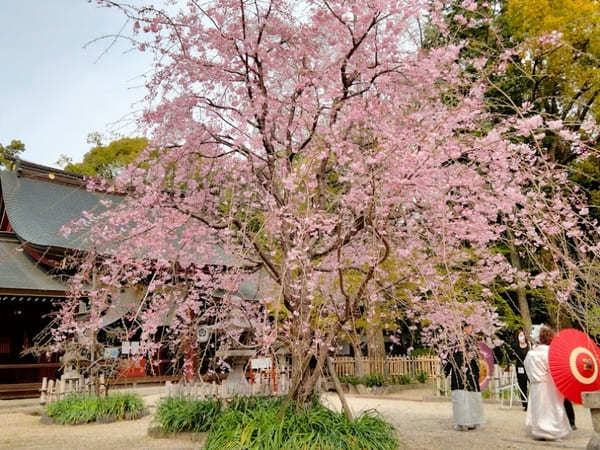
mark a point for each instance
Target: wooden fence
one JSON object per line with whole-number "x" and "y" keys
{"x": 259, "y": 385}
{"x": 389, "y": 366}
{"x": 52, "y": 390}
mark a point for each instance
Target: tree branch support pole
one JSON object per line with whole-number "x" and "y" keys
{"x": 338, "y": 388}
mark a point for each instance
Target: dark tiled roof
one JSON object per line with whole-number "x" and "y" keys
{"x": 19, "y": 272}
{"x": 37, "y": 210}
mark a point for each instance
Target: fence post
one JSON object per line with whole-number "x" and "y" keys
{"x": 50, "y": 390}
{"x": 102, "y": 388}
{"x": 43, "y": 391}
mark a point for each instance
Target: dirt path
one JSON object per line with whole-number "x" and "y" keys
{"x": 421, "y": 425}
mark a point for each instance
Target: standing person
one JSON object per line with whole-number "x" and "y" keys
{"x": 521, "y": 351}
{"x": 570, "y": 413}
{"x": 546, "y": 416}
{"x": 463, "y": 367}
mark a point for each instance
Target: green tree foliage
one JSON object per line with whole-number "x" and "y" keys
{"x": 107, "y": 160}
{"x": 560, "y": 53}
{"x": 551, "y": 49}
{"x": 11, "y": 150}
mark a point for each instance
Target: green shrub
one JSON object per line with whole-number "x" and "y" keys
{"x": 178, "y": 414}
{"x": 422, "y": 377}
{"x": 78, "y": 409}
{"x": 255, "y": 424}
{"x": 401, "y": 379}
{"x": 368, "y": 380}
{"x": 351, "y": 380}
{"x": 375, "y": 379}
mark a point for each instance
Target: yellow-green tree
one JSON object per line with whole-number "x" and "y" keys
{"x": 11, "y": 150}
{"x": 560, "y": 55}
{"x": 106, "y": 160}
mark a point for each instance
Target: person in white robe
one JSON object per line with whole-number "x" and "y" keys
{"x": 463, "y": 368}
{"x": 546, "y": 416}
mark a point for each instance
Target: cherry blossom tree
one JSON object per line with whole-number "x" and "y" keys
{"x": 313, "y": 143}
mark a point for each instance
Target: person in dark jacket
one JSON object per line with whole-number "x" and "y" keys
{"x": 463, "y": 368}
{"x": 521, "y": 350}
{"x": 570, "y": 413}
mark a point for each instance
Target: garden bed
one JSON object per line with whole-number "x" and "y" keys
{"x": 265, "y": 423}
{"x": 81, "y": 409}
{"x": 157, "y": 432}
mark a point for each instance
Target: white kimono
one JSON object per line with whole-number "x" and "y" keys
{"x": 546, "y": 415}
{"x": 466, "y": 408}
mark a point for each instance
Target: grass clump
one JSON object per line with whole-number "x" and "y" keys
{"x": 254, "y": 423}
{"x": 177, "y": 414}
{"x": 78, "y": 409}
{"x": 351, "y": 380}
{"x": 373, "y": 380}
{"x": 401, "y": 379}
{"x": 422, "y": 377}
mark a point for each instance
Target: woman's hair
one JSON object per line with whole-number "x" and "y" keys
{"x": 546, "y": 336}
{"x": 519, "y": 331}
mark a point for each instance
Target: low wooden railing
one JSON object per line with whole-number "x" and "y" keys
{"x": 30, "y": 366}
{"x": 389, "y": 366}
{"x": 22, "y": 375}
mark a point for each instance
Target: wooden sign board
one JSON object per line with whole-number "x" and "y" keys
{"x": 260, "y": 363}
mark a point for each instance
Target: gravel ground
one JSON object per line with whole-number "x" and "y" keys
{"x": 427, "y": 425}
{"x": 25, "y": 431}
{"x": 421, "y": 425}
{"x": 21, "y": 429}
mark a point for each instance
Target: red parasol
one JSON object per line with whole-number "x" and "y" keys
{"x": 486, "y": 365}
{"x": 574, "y": 361}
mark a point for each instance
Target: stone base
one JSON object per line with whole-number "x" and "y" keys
{"x": 594, "y": 443}
{"x": 158, "y": 433}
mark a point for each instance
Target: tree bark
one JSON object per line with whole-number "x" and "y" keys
{"x": 375, "y": 340}
{"x": 515, "y": 260}
{"x": 358, "y": 367}
{"x": 305, "y": 374}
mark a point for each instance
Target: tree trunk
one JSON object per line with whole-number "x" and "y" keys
{"x": 376, "y": 347}
{"x": 375, "y": 340}
{"x": 306, "y": 371}
{"x": 358, "y": 367}
{"x": 515, "y": 260}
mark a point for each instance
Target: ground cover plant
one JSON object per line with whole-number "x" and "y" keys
{"x": 401, "y": 379}
{"x": 178, "y": 414}
{"x": 379, "y": 380}
{"x": 261, "y": 423}
{"x": 421, "y": 377}
{"x": 79, "y": 409}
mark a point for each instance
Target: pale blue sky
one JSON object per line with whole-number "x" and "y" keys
{"x": 53, "y": 92}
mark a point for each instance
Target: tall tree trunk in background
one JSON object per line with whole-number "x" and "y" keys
{"x": 358, "y": 367}
{"x": 375, "y": 341}
{"x": 376, "y": 347}
{"x": 515, "y": 260}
